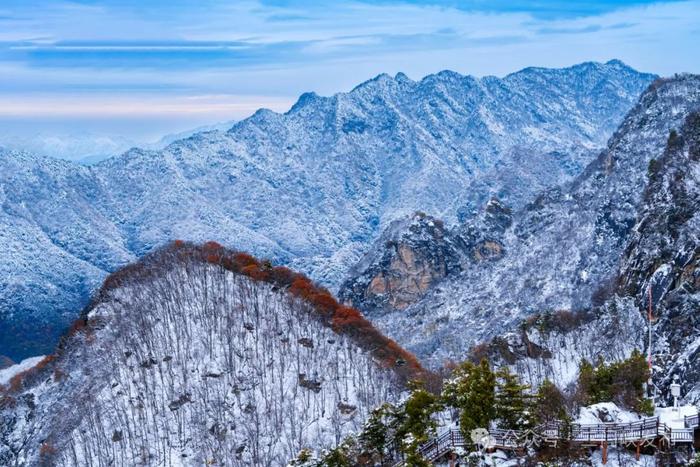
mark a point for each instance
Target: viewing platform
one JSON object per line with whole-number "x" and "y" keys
{"x": 662, "y": 432}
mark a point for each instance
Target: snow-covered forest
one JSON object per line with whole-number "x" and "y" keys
{"x": 182, "y": 361}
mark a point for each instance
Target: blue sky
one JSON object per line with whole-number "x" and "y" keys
{"x": 144, "y": 68}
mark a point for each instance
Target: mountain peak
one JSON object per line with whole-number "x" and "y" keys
{"x": 305, "y": 99}
{"x": 312, "y": 186}
{"x": 381, "y": 79}
{"x": 402, "y": 78}
{"x": 617, "y": 62}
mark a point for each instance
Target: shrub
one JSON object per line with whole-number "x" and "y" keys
{"x": 620, "y": 382}
{"x": 549, "y": 404}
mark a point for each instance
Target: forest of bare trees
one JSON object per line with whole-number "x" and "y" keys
{"x": 194, "y": 357}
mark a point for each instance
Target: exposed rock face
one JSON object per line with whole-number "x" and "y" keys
{"x": 409, "y": 275}
{"x": 488, "y": 249}
{"x": 563, "y": 250}
{"x": 412, "y": 255}
{"x": 415, "y": 254}
{"x": 312, "y": 187}
{"x": 483, "y": 233}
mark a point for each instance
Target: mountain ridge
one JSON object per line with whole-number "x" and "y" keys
{"x": 559, "y": 252}
{"x": 310, "y": 188}
{"x": 236, "y": 362}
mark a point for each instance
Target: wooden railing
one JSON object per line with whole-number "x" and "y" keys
{"x": 645, "y": 430}
{"x": 681, "y": 435}
{"x": 692, "y": 421}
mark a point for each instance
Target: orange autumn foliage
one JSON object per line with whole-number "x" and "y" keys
{"x": 17, "y": 381}
{"x": 283, "y": 275}
{"x": 342, "y": 319}
{"x": 347, "y": 317}
{"x": 255, "y": 272}
{"x": 243, "y": 259}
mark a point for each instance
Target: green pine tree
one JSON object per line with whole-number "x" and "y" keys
{"x": 513, "y": 403}
{"x": 471, "y": 390}
{"x": 549, "y": 403}
{"x": 337, "y": 457}
{"x": 305, "y": 458}
{"x": 586, "y": 383}
{"x": 619, "y": 382}
{"x": 345, "y": 455}
{"x": 414, "y": 424}
{"x": 375, "y": 433}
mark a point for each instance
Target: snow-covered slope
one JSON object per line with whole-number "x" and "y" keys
{"x": 312, "y": 187}
{"x": 183, "y": 361}
{"x": 560, "y": 252}
{"x": 664, "y": 256}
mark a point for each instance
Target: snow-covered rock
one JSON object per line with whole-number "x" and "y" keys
{"x": 605, "y": 412}
{"x": 6, "y": 374}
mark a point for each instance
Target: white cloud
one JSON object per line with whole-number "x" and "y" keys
{"x": 268, "y": 56}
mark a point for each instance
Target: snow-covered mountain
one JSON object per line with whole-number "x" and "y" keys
{"x": 563, "y": 251}
{"x": 85, "y": 148}
{"x": 200, "y": 356}
{"x": 312, "y": 187}
{"x": 663, "y": 256}
{"x": 659, "y": 267}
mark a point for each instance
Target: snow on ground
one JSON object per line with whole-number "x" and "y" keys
{"x": 8, "y": 373}
{"x": 674, "y": 417}
{"x": 621, "y": 458}
{"x": 497, "y": 458}
{"x": 605, "y": 412}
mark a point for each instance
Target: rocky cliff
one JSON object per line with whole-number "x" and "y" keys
{"x": 563, "y": 250}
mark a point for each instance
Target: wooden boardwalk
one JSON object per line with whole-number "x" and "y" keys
{"x": 643, "y": 433}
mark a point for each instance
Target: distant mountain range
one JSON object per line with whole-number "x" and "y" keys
{"x": 313, "y": 187}
{"x": 90, "y": 148}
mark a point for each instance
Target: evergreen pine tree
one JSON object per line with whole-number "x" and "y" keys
{"x": 414, "y": 423}
{"x": 375, "y": 433}
{"x": 549, "y": 403}
{"x": 620, "y": 382}
{"x": 586, "y": 383}
{"x": 305, "y": 458}
{"x": 471, "y": 390}
{"x": 337, "y": 457}
{"x": 345, "y": 455}
{"x": 513, "y": 403}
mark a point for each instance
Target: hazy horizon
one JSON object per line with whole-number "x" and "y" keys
{"x": 140, "y": 70}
